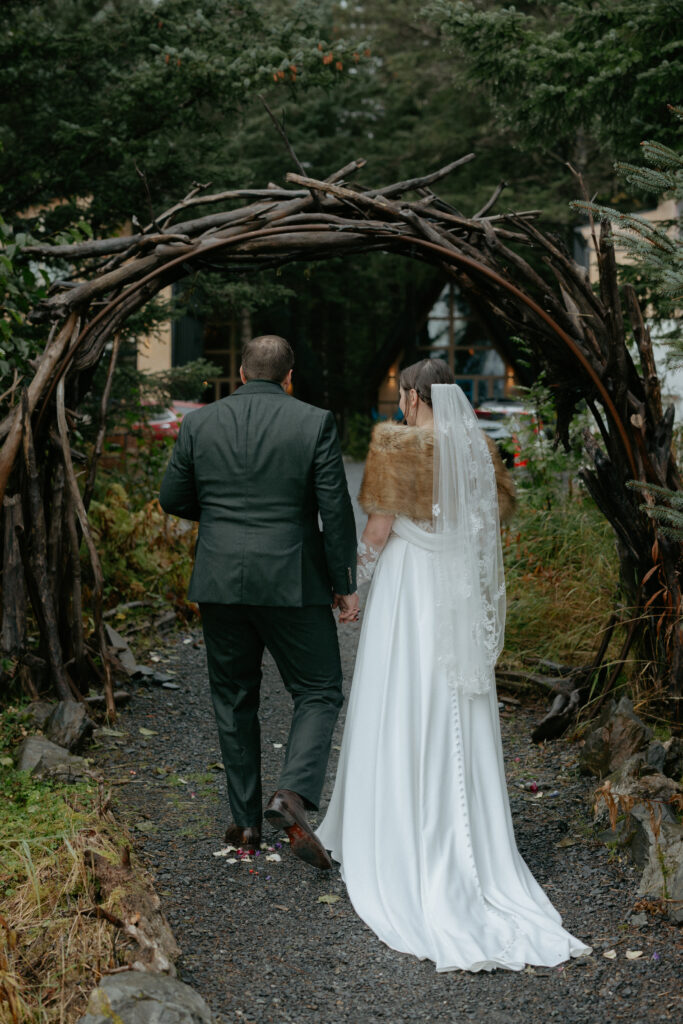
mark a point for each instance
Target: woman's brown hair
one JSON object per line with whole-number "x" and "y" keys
{"x": 420, "y": 377}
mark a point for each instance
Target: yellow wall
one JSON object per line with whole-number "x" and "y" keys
{"x": 666, "y": 210}
{"x": 155, "y": 349}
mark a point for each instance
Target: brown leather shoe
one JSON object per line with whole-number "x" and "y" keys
{"x": 243, "y": 838}
{"x": 286, "y": 810}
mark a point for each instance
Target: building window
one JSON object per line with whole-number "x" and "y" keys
{"x": 217, "y": 342}
{"x": 455, "y": 334}
{"x": 221, "y": 347}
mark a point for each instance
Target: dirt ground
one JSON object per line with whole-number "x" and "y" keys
{"x": 275, "y": 941}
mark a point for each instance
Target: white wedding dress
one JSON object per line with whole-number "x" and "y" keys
{"x": 419, "y": 819}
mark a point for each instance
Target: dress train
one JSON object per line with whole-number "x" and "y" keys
{"x": 419, "y": 819}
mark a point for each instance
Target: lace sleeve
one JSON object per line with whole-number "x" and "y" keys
{"x": 367, "y": 561}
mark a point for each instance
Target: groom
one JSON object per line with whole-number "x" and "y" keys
{"x": 256, "y": 469}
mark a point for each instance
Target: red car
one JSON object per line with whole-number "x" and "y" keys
{"x": 165, "y": 422}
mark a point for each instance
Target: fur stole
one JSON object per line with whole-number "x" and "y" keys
{"x": 399, "y": 473}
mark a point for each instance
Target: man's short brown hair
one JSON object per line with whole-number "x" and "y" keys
{"x": 267, "y": 357}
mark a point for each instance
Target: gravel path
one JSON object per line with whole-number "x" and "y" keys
{"x": 260, "y": 945}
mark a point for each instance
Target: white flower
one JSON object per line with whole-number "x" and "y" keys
{"x": 273, "y": 856}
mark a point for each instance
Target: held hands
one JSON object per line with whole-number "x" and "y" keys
{"x": 348, "y": 605}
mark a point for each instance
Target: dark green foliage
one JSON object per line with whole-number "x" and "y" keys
{"x": 115, "y": 91}
{"x": 144, "y": 555}
{"x": 21, "y": 287}
{"x": 654, "y": 247}
{"x": 667, "y": 508}
{"x": 184, "y": 383}
{"x": 357, "y": 440}
{"x": 571, "y": 72}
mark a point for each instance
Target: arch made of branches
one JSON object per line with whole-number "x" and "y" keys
{"x": 578, "y": 335}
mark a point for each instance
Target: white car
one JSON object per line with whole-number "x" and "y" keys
{"x": 499, "y": 418}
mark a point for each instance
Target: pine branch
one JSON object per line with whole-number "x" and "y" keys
{"x": 667, "y": 511}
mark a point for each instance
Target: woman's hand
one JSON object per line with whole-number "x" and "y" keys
{"x": 348, "y": 605}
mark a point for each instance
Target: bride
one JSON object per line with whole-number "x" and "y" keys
{"x": 419, "y": 818}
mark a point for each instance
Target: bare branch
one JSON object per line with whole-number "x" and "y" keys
{"x": 490, "y": 203}
{"x": 428, "y": 179}
{"x": 279, "y": 126}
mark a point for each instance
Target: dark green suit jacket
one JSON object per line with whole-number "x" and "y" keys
{"x": 255, "y": 469}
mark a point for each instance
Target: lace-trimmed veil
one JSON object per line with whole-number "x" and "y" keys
{"x": 470, "y": 594}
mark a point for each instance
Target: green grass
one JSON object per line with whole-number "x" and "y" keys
{"x": 52, "y": 949}
{"x": 37, "y": 816}
{"x": 562, "y": 575}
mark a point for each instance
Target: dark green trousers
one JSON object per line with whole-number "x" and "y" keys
{"x": 303, "y": 643}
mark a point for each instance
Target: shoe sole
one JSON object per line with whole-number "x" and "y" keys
{"x": 302, "y": 842}
{"x": 306, "y": 847}
{"x": 279, "y": 818}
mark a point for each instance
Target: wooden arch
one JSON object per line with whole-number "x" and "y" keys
{"x": 578, "y": 335}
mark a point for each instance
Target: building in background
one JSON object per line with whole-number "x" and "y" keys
{"x": 187, "y": 339}
{"x": 453, "y": 331}
{"x": 442, "y": 324}
{"x": 671, "y": 379}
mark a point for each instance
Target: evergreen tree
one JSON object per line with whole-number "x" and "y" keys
{"x": 655, "y": 247}
{"x": 119, "y": 107}
{"x": 572, "y": 71}
{"x": 657, "y": 251}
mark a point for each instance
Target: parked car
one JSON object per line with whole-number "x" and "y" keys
{"x": 165, "y": 422}
{"x": 500, "y": 419}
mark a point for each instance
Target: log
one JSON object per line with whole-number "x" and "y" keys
{"x": 42, "y": 596}
{"x": 52, "y": 354}
{"x": 13, "y": 586}
{"x": 102, "y": 429}
{"x": 98, "y": 586}
{"x": 54, "y": 545}
{"x": 73, "y": 598}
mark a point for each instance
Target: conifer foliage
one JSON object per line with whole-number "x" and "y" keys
{"x": 655, "y": 246}
{"x": 657, "y": 250}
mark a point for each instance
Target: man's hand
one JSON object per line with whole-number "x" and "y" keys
{"x": 348, "y": 605}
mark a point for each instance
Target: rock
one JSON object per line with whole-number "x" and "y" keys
{"x": 663, "y": 874}
{"x": 130, "y": 889}
{"x": 42, "y": 758}
{"x": 636, "y": 780}
{"x": 99, "y": 700}
{"x": 121, "y": 650}
{"x": 39, "y": 712}
{"x": 647, "y": 827}
{"x": 630, "y": 835}
{"x": 619, "y": 735}
{"x": 143, "y": 998}
{"x": 162, "y": 677}
{"x": 673, "y": 758}
{"x": 115, "y": 639}
{"x": 127, "y": 661}
{"x": 641, "y": 795}
{"x": 68, "y": 725}
{"x": 656, "y": 755}
{"x": 142, "y": 670}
